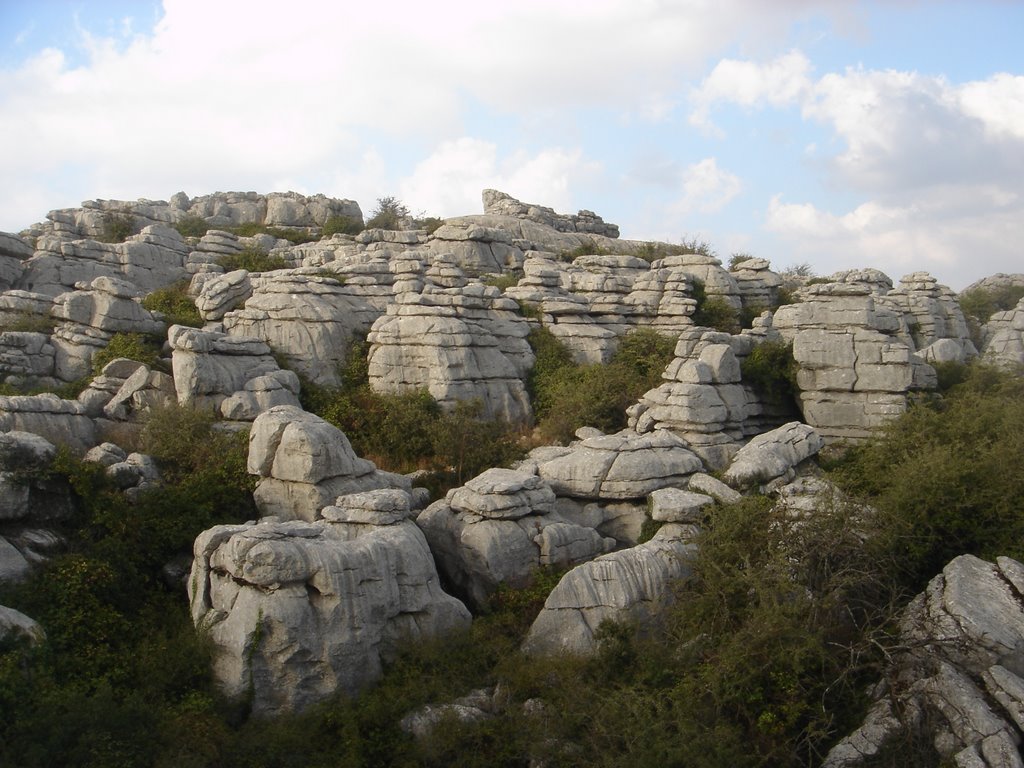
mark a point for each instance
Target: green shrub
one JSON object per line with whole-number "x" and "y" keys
{"x": 771, "y": 370}
{"x": 584, "y": 249}
{"x": 118, "y": 226}
{"x": 430, "y": 224}
{"x": 252, "y": 260}
{"x": 981, "y": 304}
{"x": 713, "y": 312}
{"x": 389, "y": 213}
{"x": 567, "y": 396}
{"x": 946, "y": 475}
{"x": 175, "y": 304}
{"x": 134, "y": 346}
{"x": 191, "y": 226}
{"x": 29, "y": 322}
{"x": 344, "y": 225}
{"x": 505, "y": 281}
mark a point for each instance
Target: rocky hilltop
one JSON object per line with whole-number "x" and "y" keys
{"x": 347, "y": 561}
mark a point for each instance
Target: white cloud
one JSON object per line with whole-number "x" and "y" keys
{"x": 949, "y": 232}
{"x": 450, "y": 180}
{"x": 241, "y": 94}
{"x": 706, "y": 188}
{"x": 782, "y": 81}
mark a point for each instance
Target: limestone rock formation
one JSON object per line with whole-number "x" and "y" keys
{"x": 299, "y": 611}
{"x": 958, "y": 681}
{"x": 310, "y": 320}
{"x": 1004, "y": 337}
{"x": 773, "y": 455}
{"x": 62, "y": 422}
{"x": 15, "y": 624}
{"x": 235, "y": 374}
{"x": 304, "y": 463}
{"x": 461, "y": 342}
{"x": 854, "y": 371}
{"x": 500, "y": 204}
{"x": 628, "y": 585}
{"x": 498, "y": 529}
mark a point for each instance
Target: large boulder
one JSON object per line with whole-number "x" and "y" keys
{"x": 499, "y": 528}
{"x": 958, "y": 678}
{"x": 299, "y": 611}
{"x": 304, "y": 463}
{"x": 628, "y": 585}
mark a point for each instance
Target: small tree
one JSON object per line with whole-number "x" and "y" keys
{"x": 388, "y": 214}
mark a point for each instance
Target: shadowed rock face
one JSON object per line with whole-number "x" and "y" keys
{"x": 300, "y": 611}
{"x": 960, "y": 681}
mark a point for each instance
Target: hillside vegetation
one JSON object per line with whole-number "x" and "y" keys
{"x": 762, "y": 659}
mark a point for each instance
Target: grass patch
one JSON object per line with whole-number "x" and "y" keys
{"x": 175, "y": 304}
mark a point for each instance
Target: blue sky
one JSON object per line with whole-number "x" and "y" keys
{"x": 838, "y": 134}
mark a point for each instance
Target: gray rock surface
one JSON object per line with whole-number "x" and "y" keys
{"x": 628, "y": 585}
{"x": 773, "y": 455}
{"x": 299, "y": 611}
{"x": 304, "y": 464}
{"x": 16, "y": 624}
{"x": 499, "y": 528}
{"x": 958, "y": 678}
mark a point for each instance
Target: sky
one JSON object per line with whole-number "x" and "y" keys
{"x": 834, "y": 134}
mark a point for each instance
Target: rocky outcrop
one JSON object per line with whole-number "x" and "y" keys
{"x": 629, "y": 585}
{"x": 31, "y": 502}
{"x": 152, "y": 259}
{"x": 304, "y": 463}
{"x": 773, "y": 455}
{"x": 62, "y": 422}
{"x": 958, "y": 680}
{"x": 758, "y": 285}
{"x": 854, "y": 371}
{"x": 13, "y": 251}
{"x": 587, "y": 222}
{"x": 932, "y": 316}
{"x": 1004, "y": 337}
{"x": 299, "y": 611}
{"x": 310, "y": 320}
{"x": 236, "y": 375}
{"x": 499, "y": 528}
{"x": 461, "y": 342}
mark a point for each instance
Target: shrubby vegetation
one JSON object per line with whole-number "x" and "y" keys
{"x": 344, "y": 225}
{"x": 191, "y": 226}
{"x": 388, "y": 213}
{"x": 979, "y": 304}
{"x": 771, "y": 370}
{"x": 118, "y": 226}
{"x": 409, "y": 432}
{"x": 175, "y": 304}
{"x": 567, "y": 396}
{"x": 253, "y": 260}
{"x": 714, "y": 311}
{"x": 134, "y": 346}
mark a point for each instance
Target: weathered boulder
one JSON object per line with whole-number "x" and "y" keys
{"x": 758, "y": 285}
{"x": 957, "y": 678}
{"x": 773, "y": 455}
{"x": 299, "y": 611}
{"x": 625, "y": 465}
{"x": 628, "y": 585}
{"x": 1004, "y": 337}
{"x": 63, "y": 422}
{"x": 500, "y": 204}
{"x": 210, "y": 367}
{"x": 305, "y": 463}
{"x": 460, "y": 343}
{"x": 499, "y": 528}
{"x": 309, "y": 320}
{"x": 15, "y": 624}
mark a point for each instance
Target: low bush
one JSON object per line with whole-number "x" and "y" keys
{"x": 713, "y": 311}
{"x": 117, "y": 226}
{"x": 191, "y": 226}
{"x": 175, "y": 304}
{"x": 344, "y": 225}
{"x": 252, "y": 260}
{"x": 389, "y": 213}
{"x": 134, "y": 346}
{"x": 567, "y": 396}
{"x": 29, "y": 322}
{"x": 771, "y": 370}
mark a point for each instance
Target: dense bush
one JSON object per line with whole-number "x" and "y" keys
{"x": 117, "y": 226}
{"x": 567, "y": 396}
{"x": 134, "y": 346}
{"x": 713, "y": 311}
{"x": 409, "y": 431}
{"x": 252, "y": 260}
{"x": 175, "y": 304}
{"x": 947, "y": 475}
{"x": 344, "y": 225}
{"x": 389, "y": 213}
{"x": 771, "y": 370}
{"x": 191, "y": 226}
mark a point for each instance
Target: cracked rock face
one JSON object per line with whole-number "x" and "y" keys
{"x": 631, "y": 584}
{"x": 498, "y": 529}
{"x": 961, "y": 681}
{"x": 298, "y": 611}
